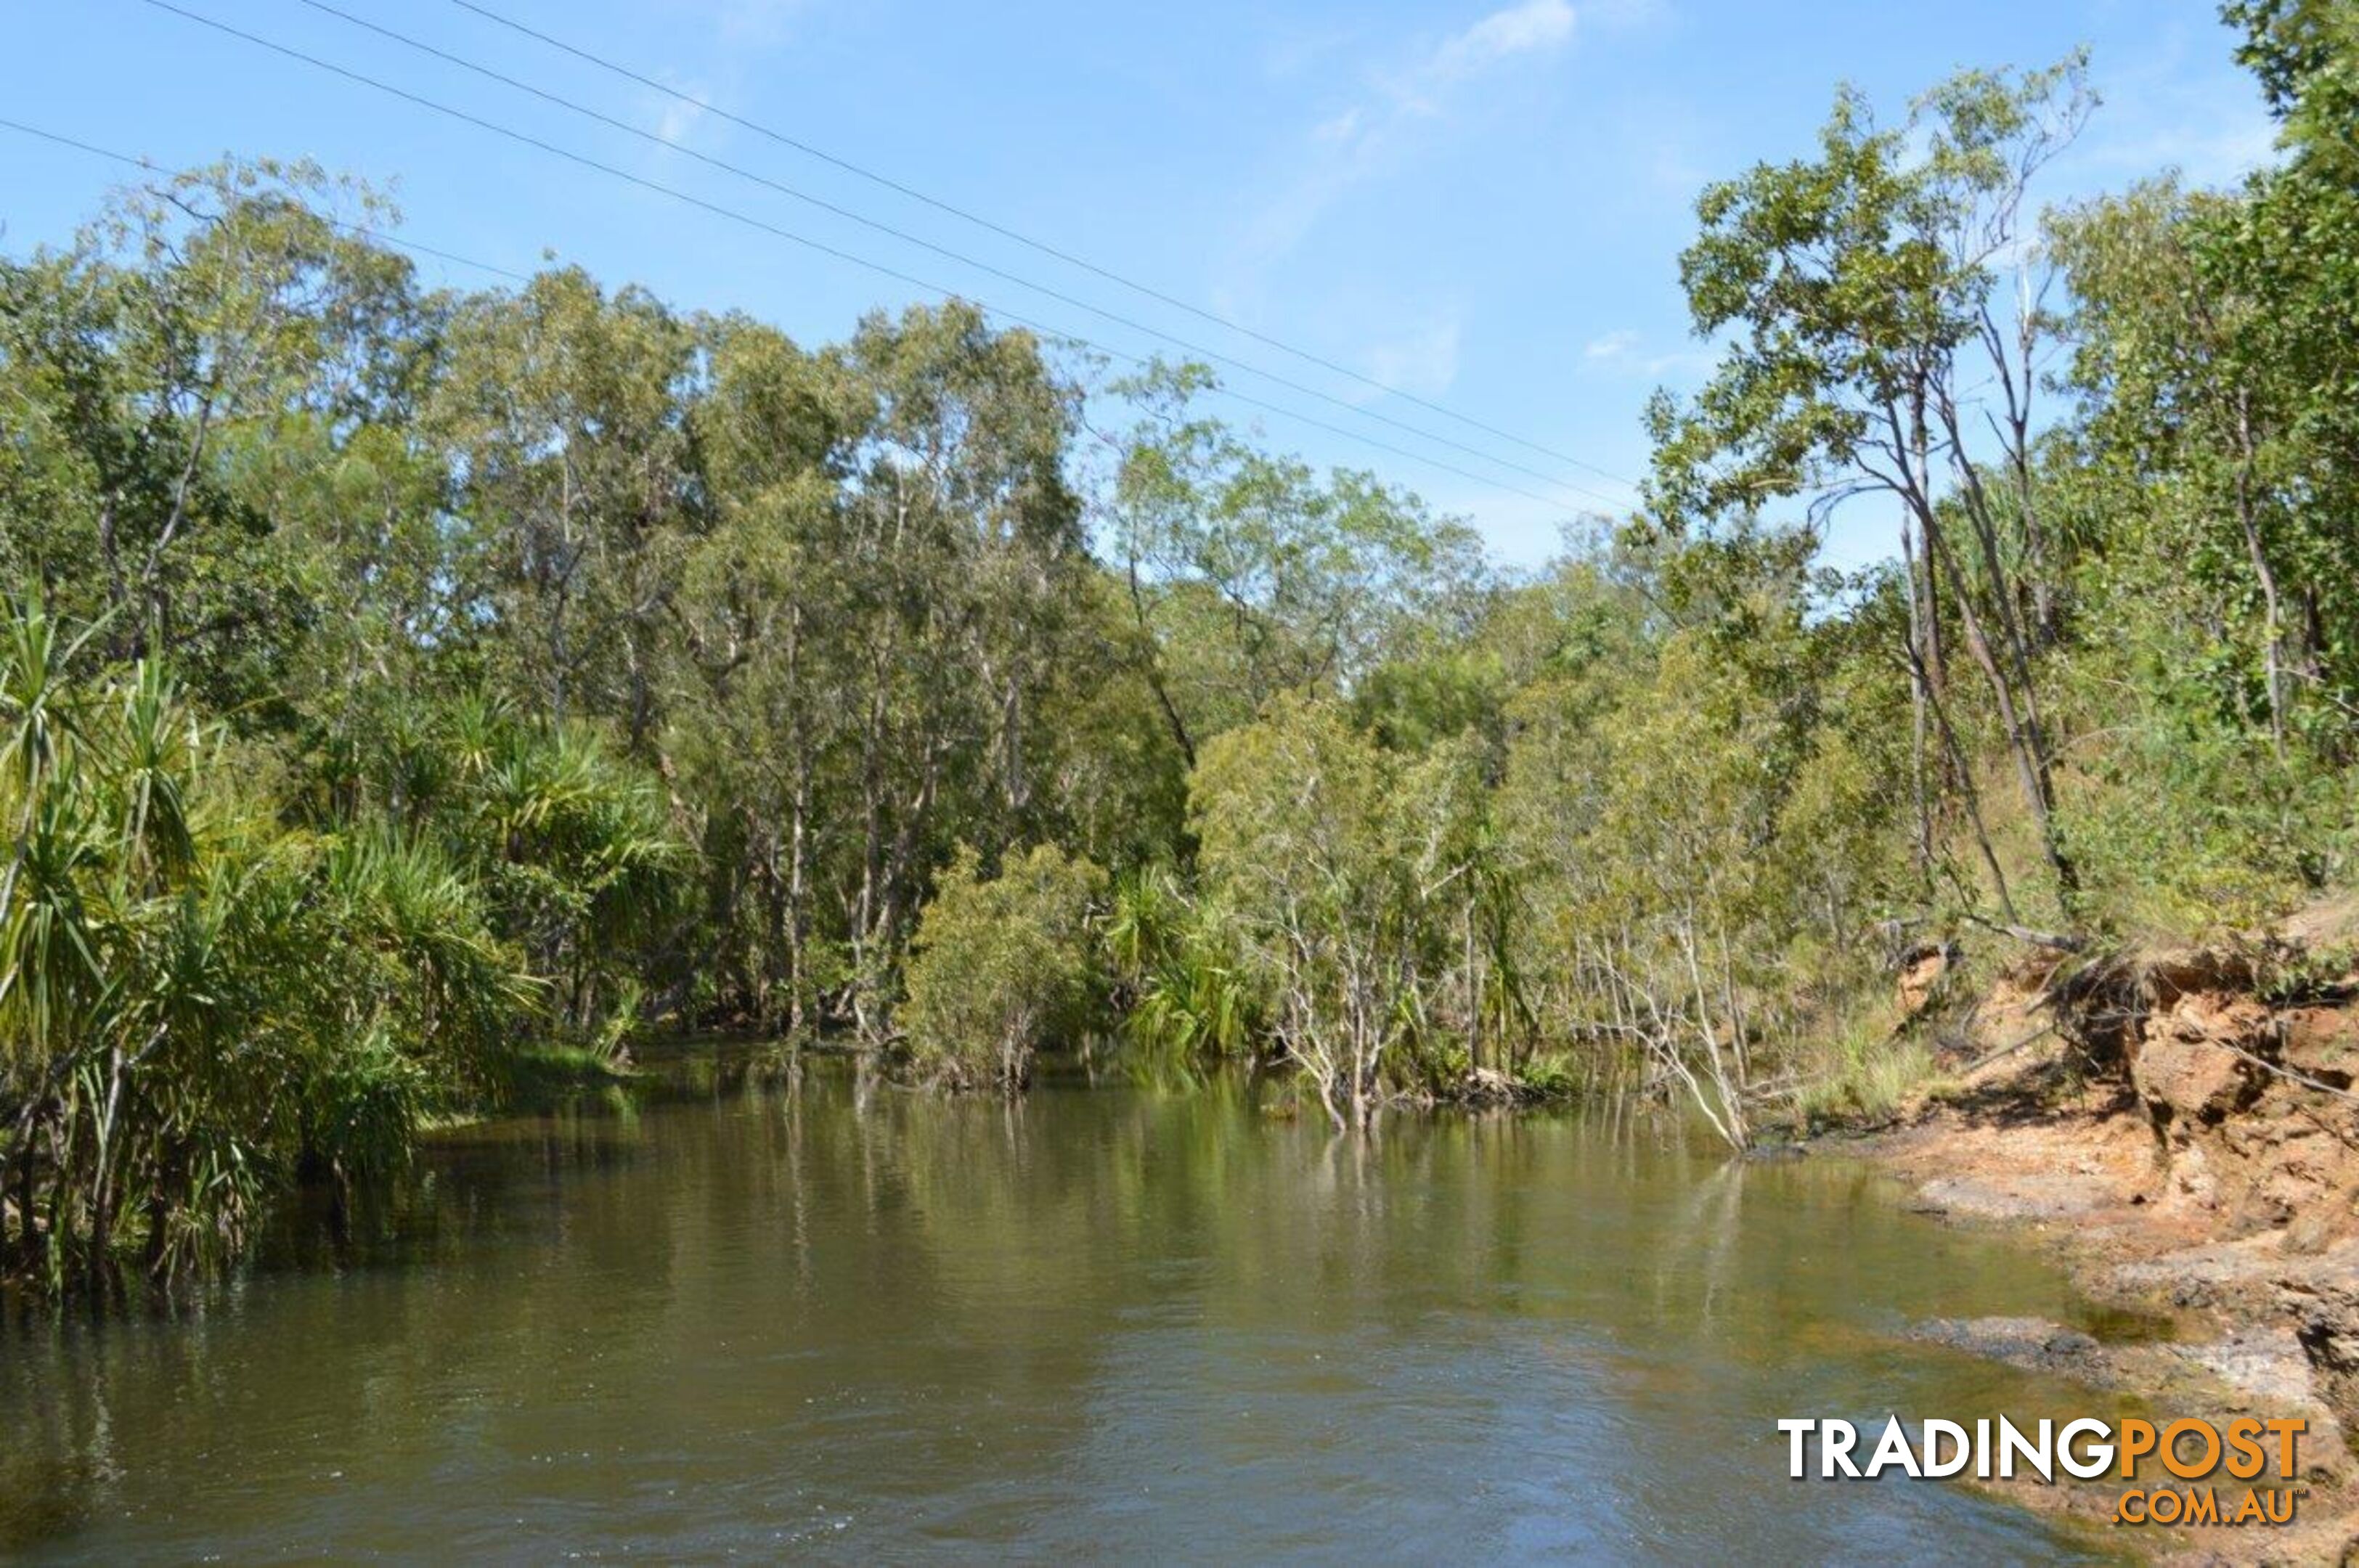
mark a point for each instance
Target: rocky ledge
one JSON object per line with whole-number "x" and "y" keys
{"x": 2189, "y": 1144}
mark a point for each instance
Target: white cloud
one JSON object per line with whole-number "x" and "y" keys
{"x": 2216, "y": 152}
{"x": 1389, "y": 108}
{"x": 728, "y": 33}
{"x": 1536, "y": 25}
{"x": 1677, "y": 364}
{"x": 676, "y": 117}
{"x": 1360, "y": 141}
{"x": 2174, "y": 106}
{"x": 1341, "y": 128}
{"x": 755, "y": 21}
{"x": 1619, "y": 353}
{"x": 1623, "y": 13}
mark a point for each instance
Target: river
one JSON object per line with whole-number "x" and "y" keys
{"x": 821, "y": 1317}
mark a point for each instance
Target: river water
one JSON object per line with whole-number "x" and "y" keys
{"x": 817, "y": 1317}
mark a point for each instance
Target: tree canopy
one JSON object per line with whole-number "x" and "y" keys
{"x": 396, "y": 682}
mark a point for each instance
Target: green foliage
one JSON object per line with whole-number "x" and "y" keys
{"x": 2189, "y": 825}
{"x": 159, "y": 372}
{"x": 1188, "y": 996}
{"x": 2211, "y": 473}
{"x": 1866, "y": 294}
{"x": 461, "y": 682}
{"x": 197, "y": 1004}
{"x": 1251, "y": 576}
{"x": 1350, "y": 882}
{"x": 1002, "y": 966}
{"x": 1858, "y": 1073}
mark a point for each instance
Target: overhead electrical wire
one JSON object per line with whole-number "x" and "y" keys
{"x": 363, "y": 231}
{"x": 1056, "y": 253}
{"x": 881, "y": 268}
{"x": 1047, "y": 331}
{"x": 948, "y": 253}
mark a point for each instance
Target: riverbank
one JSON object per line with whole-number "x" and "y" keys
{"x": 2176, "y": 1127}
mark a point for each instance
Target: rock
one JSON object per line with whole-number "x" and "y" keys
{"x": 2020, "y": 1197}
{"x": 1488, "y": 1085}
{"x": 2168, "y": 974}
{"x": 2265, "y": 1362}
{"x": 1923, "y": 970}
{"x": 2312, "y": 1231}
{"x": 2326, "y": 927}
{"x": 2185, "y": 1065}
{"x": 2031, "y": 1343}
{"x": 2323, "y": 1041}
{"x": 2009, "y": 1015}
{"x": 2320, "y": 1293}
{"x": 2212, "y": 1273}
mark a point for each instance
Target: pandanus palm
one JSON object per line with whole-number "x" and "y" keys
{"x": 50, "y": 973}
{"x": 48, "y": 962}
{"x": 587, "y": 865}
{"x": 198, "y": 1001}
{"x": 1172, "y": 949}
{"x": 153, "y": 744}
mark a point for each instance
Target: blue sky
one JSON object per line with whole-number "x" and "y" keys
{"x": 1480, "y": 203}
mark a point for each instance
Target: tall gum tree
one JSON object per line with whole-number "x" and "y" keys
{"x": 1882, "y": 310}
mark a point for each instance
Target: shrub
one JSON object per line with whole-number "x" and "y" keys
{"x": 1000, "y": 966}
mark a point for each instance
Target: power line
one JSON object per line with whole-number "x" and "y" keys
{"x": 1046, "y": 331}
{"x": 1041, "y": 246}
{"x": 380, "y": 235}
{"x": 626, "y": 127}
{"x": 734, "y": 215}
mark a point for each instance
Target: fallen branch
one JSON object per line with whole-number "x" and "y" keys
{"x": 1971, "y": 1068}
{"x": 2053, "y": 941}
{"x": 2304, "y": 1080}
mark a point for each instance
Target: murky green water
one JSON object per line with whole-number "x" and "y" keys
{"x": 854, "y": 1324}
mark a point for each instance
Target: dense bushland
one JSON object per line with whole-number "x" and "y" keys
{"x": 397, "y": 680}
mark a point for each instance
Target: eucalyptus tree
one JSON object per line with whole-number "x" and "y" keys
{"x": 2208, "y": 470}
{"x": 1253, "y": 575}
{"x": 1865, "y": 289}
{"x": 2195, "y": 420}
{"x": 561, "y": 409}
{"x": 1339, "y": 869}
{"x": 765, "y": 606}
{"x": 2287, "y": 249}
{"x": 158, "y": 371}
{"x": 961, "y": 555}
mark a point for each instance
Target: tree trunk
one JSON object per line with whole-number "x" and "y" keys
{"x": 2025, "y": 743}
{"x": 2273, "y": 652}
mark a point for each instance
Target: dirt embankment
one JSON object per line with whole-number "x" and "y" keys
{"x": 2181, "y": 1129}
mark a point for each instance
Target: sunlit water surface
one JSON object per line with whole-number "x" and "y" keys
{"x": 817, "y": 1317}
